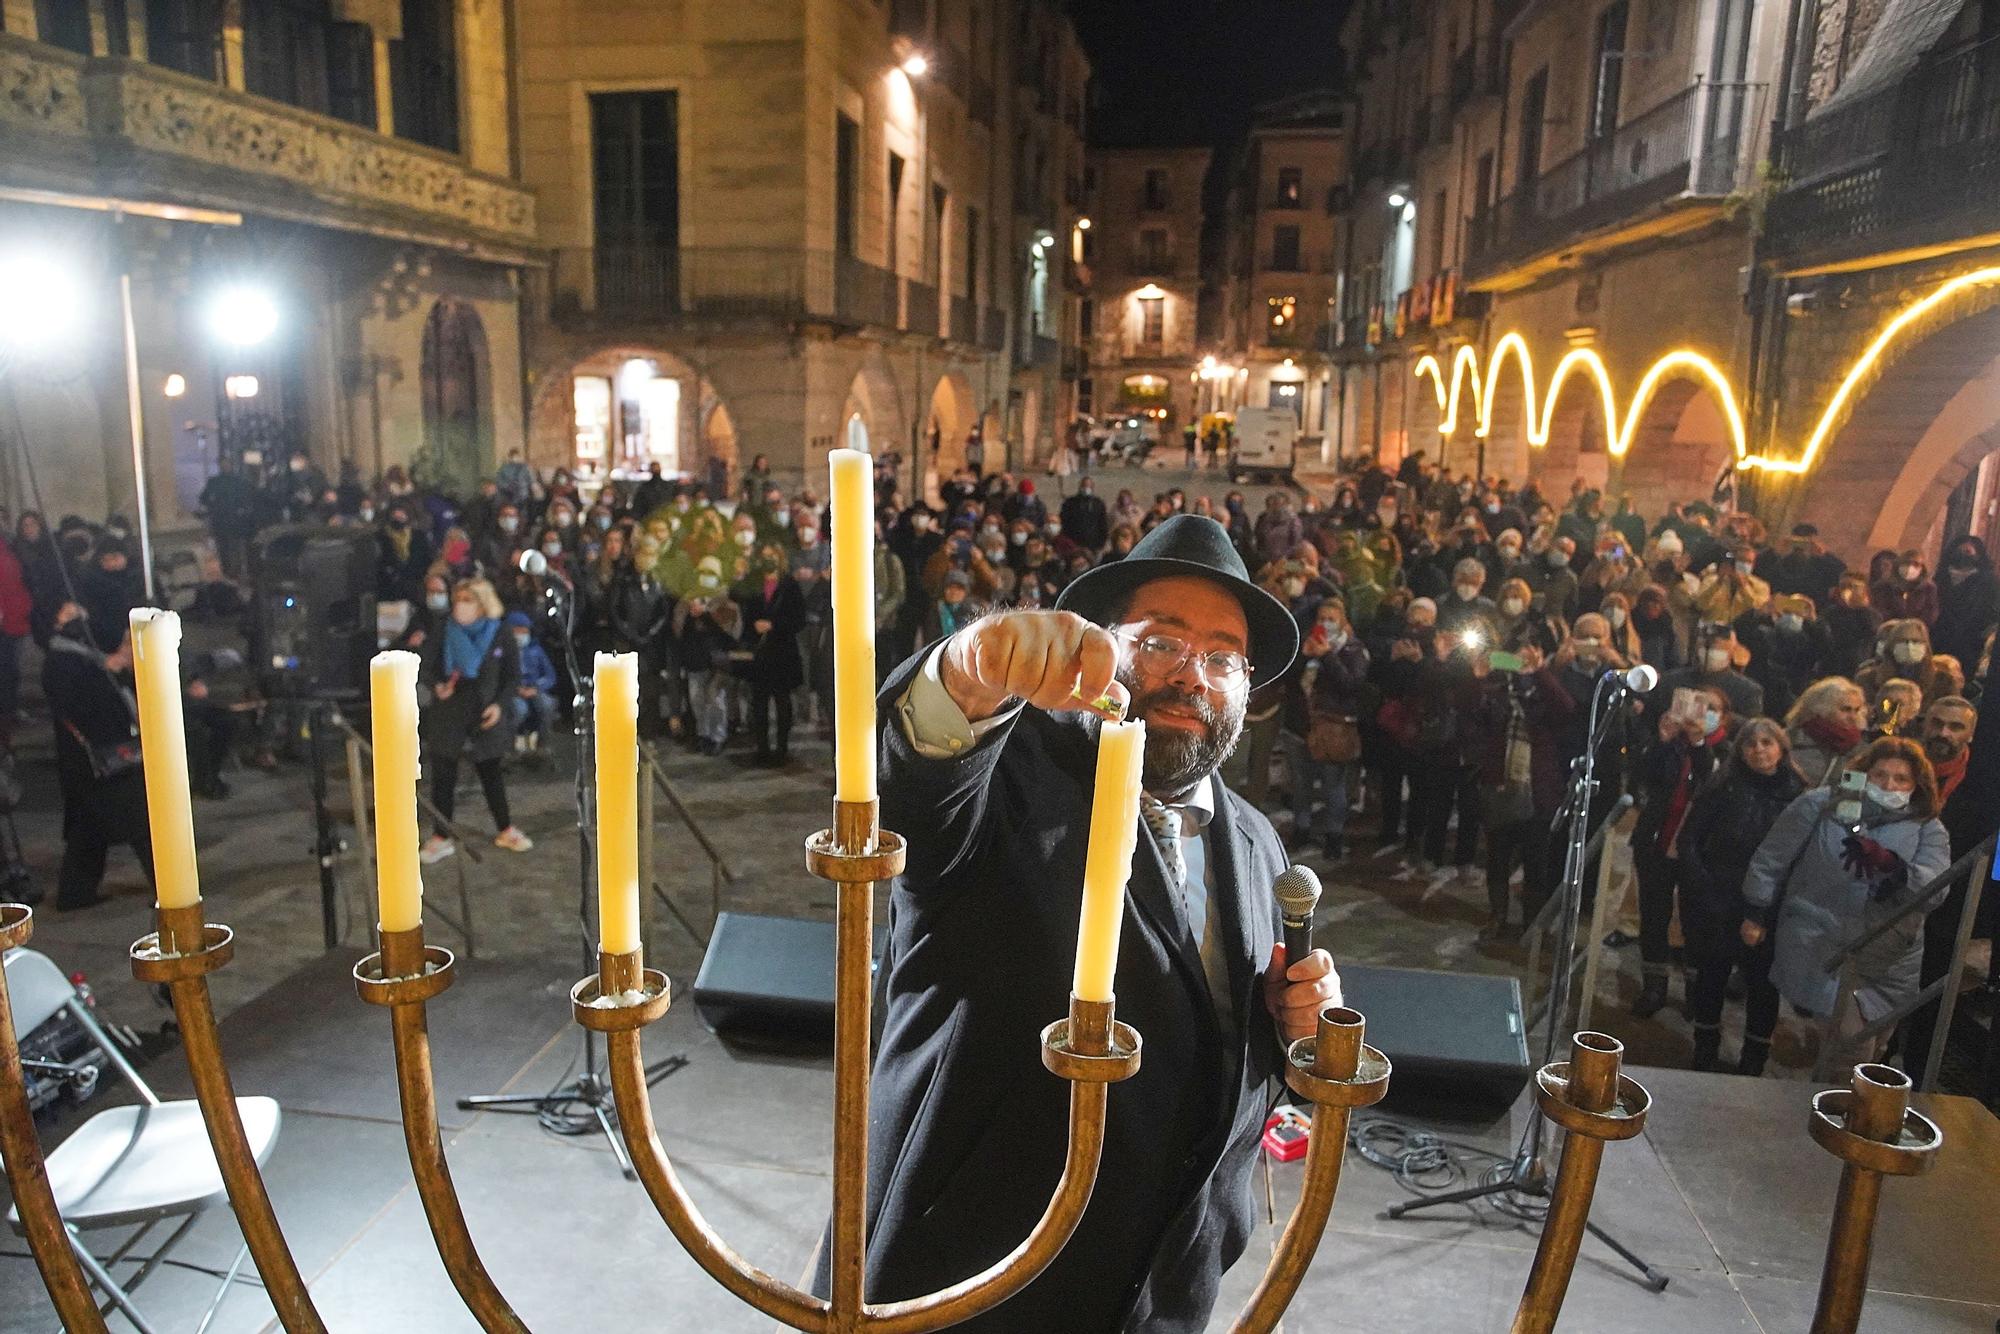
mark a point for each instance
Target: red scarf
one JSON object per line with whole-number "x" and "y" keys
{"x": 1950, "y": 773}
{"x": 1837, "y": 737}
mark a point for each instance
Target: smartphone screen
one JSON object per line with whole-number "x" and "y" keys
{"x": 1504, "y": 662}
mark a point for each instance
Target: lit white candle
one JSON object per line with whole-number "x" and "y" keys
{"x": 392, "y": 701}
{"x": 1114, "y": 836}
{"x": 852, "y": 474}
{"x": 156, "y": 668}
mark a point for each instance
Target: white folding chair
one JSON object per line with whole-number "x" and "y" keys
{"x": 136, "y": 1166}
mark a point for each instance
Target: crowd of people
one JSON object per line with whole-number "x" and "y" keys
{"x": 1798, "y": 767}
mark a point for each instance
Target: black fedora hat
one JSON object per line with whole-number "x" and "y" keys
{"x": 1190, "y": 544}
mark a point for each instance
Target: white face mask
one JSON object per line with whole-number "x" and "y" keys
{"x": 1791, "y": 622}
{"x": 521, "y": 641}
{"x": 564, "y": 518}
{"x": 1019, "y": 539}
{"x": 1907, "y": 651}
{"x": 1888, "y": 801}
{"x": 1558, "y": 559}
{"x": 367, "y": 514}
{"x": 1911, "y": 573}
{"x": 509, "y": 523}
{"x": 682, "y": 504}
{"x": 1466, "y": 592}
{"x": 808, "y": 536}
{"x": 920, "y": 523}
{"x": 1053, "y": 530}
{"x": 552, "y": 549}
{"x": 1587, "y": 649}
{"x": 1615, "y": 615}
{"x": 1513, "y": 606}
{"x": 437, "y": 601}
{"x": 1510, "y": 552}
{"x": 708, "y": 581}
{"x": 745, "y": 538}
{"x": 1716, "y": 659}
{"x": 1710, "y": 721}
{"x": 783, "y": 518}
{"x": 1294, "y": 586}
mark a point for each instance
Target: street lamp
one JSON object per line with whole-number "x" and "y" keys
{"x": 242, "y": 316}
{"x": 43, "y": 300}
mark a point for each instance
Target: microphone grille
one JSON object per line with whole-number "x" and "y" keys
{"x": 1643, "y": 678}
{"x": 1297, "y": 888}
{"x": 533, "y": 563}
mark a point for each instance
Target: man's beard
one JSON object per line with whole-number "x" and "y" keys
{"x": 1176, "y": 759}
{"x": 1939, "y": 750}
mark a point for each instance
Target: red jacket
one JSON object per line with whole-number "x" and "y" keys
{"x": 15, "y": 602}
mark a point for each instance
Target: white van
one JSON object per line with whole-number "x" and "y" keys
{"x": 1266, "y": 441}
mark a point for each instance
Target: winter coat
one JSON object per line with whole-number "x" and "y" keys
{"x": 1724, "y": 828}
{"x": 1338, "y": 688}
{"x": 1967, "y": 609}
{"x": 1816, "y": 763}
{"x": 775, "y": 663}
{"x": 1825, "y": 885}
{"x": 450, "y": 725}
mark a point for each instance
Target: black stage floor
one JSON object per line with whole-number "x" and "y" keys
{"x": 1725, "y": 1192}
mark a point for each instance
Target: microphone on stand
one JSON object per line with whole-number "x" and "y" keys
{"x": 1297, "y": 891}
{"x": 1639, "y": 680}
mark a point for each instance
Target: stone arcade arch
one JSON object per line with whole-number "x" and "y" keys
{"x": 454, "y": 368}
{"x": 1680, "y": 447}
{"x": 1875, "y": 485}
{"x": 949, "y": 419}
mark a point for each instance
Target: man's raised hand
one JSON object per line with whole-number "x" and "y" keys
{"x": 1050, "y": 659}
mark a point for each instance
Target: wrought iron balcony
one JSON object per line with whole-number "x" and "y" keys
{"x": 727, "y": 284}
{"x": 1687, "y": 146}
{"x": 1911, "y": 164}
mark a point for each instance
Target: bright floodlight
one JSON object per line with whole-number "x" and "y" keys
{"x": 916, "y": 65}
{"x": 41, "y": 300}
{"x": 1397, "y": 201}
{"x": 242, "y": 316}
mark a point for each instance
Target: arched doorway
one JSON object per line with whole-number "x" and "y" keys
{"x": 857, "y": 433}
{"x": 458, "y": 447}
{"x": 617, "y": 411}
{"x": 947, "y": 424}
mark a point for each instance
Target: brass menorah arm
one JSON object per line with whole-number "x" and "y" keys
{"x": 1869, "y": 1126}
{"x": 181, "y": 954}
{"x": 1337, "y": 1072}
{"x": 1594, "y": 1104}
{"x": 27, "y": 1173}
{"x": 403, "y": 977}
{"x": 621, "y": 998}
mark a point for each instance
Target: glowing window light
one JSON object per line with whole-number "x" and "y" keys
{"x": 175, "y": 386}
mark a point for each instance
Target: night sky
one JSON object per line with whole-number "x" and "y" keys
{"x": 1190, "y": 71}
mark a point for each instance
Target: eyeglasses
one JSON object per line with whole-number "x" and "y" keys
{"x": 1163, "y": 655}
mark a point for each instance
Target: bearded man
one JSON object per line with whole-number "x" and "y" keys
{"x": 988, "y": 762}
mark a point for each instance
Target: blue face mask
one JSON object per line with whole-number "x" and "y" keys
{"x": 1710, "y": 721}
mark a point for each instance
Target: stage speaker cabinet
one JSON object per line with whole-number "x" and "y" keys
{"x": 315, "y": 611}
{"x": 1457, "y": 1040}
{"x": 769, "y": 980}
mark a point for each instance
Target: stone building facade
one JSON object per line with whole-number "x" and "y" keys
{"x": 352, "y": 170}
{"x": 776, "y": 230}
{"x": 1143, "y": 251}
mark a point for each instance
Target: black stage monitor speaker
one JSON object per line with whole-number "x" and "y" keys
{"x": 315, "y": 602}
{"x": 770, "y": 979}
{"x": 1454, "y": 1039}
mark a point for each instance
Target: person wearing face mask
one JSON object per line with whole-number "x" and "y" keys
{"x": 1665, "y": 780}
{"x": 1789, "y": 649}
{"x": 562, "y": 518}
{"x": 472, "y": 669}
{"x": 1656, "y": 629}
{"x": 1467, "y": 610}
{"x": 1511, "y": 609}
{"x": 1622, "y": 635}
{"x": 707, "y": 628}
{"x": 1823, "y": 876}
{"x": 1728, "y": 821}
{"x": 1712, "y": 663}
{"x": 653, "y": 493}
{"x": 1903, "y": 651}
{"x": 1968, "y": 601}
{"x": 1554, "y": 578}
{"x": 1508, "y": 561}
{"x": 403, "y": 553}
{"x": 636, "y": 613}
{"x": 1353, "y": 568}
{"x": 1085, "y": 520}
{"x": 773, "y": 610}
{"x": 1905, "y": 591}
{"x": 1802, "y": 566}
{"x": 1324, "y": 697}
{"x": 1025, "y": 504}
{"x": 1825, "y": 728}
{"x": 1400, "y": 642}
{"x": 533, "y": 707}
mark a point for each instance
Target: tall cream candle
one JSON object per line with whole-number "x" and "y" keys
{"x": 392, "y": 703}
{"x": 1114, "y": 836}
{"x": 156, "y": 665}
{"x": 617, "y": 707}
{"x": 853, "y": 487}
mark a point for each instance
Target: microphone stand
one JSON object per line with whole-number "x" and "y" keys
{"x": 590, "y": 1088}
{"x": 1528, "y": 1174}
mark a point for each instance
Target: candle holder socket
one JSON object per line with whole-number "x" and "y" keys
{"x": 1912, "y": 1153}
{"x": 622, "y": 996}
{"x": 17, "y": 923}
{"x": 154, "y": 961}
{"x": 1090, "y": 1047}
{"x": 827, "y": 858}
{"x": 1624, "y": 1119}
{"x": 429, "y": 982}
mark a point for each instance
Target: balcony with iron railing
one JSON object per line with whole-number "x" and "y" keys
{"x": 1911, "y": 164}
{"x": 1687, "y": 148}
{"x": 734, "y": 285}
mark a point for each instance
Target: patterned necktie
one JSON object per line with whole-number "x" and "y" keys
{"x": 1165, "y": 822}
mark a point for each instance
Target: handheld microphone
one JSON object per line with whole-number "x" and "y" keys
{"x": 1297, "y": 891}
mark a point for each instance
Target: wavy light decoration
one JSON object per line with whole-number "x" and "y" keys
{"x": 1622, "y": 428}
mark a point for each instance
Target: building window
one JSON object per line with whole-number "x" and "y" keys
{"x": 846, "y": 171}
{"x": 1086, "y": 317}
{"x": 1610, "y": 70}
{"x": 635, "y": 162}
{"x": 1086, "y": 396}
{"x": 1152, "y": 320}
{"x": 284, "y": 51}
{"x": 1285, "y": 249}
{"x": 1155, "y": 195}
{"x": 423, "y": 67}
{"x": 895, "y": 205}
{"x": 1153, "y": 256}
{"x": 1439, "y": 225}
{"x": 1291, "y": 187}
{"x": 184, "y": 35}
{"x": 64, "y": 23}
